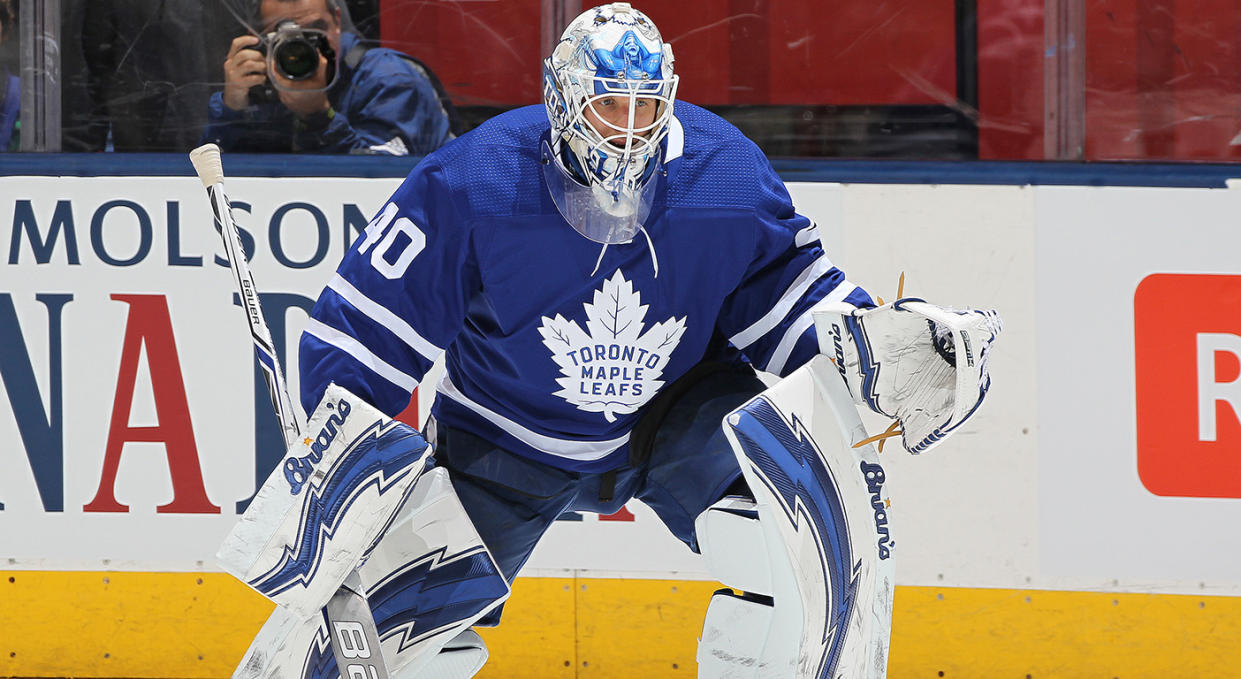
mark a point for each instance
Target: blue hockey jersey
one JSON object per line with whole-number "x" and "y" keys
{"x": 471, "y": 260}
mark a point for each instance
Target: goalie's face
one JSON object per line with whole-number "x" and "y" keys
{"x": 616, "y": 117}
{"x": 609, "y": 90}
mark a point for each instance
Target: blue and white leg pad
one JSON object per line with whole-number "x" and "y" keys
{"x": 355, "y": 504}
{"x": 822, "y": 521}
{"x": 427, "y": 581}
{"x": 326, "y": 504}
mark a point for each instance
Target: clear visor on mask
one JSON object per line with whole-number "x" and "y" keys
{"x": 598, "y": 213}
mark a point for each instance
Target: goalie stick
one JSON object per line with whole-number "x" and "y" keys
{"x": 354, "y": 639}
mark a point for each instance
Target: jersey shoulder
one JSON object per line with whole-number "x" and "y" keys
{"x": 494, "y": 169}
{"x": 717, "y": 165}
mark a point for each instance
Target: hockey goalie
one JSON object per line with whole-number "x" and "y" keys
{"x": 603, "y": 276}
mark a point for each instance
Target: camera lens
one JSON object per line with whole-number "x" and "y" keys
{"x": 297, "y": 59}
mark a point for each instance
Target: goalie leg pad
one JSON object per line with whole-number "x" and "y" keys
{"x": 745, "y": 636}
{"x": 823, "y": 512}
{"x": 734, "y": 633}
{"x": 461, "y": 658}
{"x": 427, "y": 581}
{"x": 730, "y": 538}
{"x": 325, "y": 506}
{"x": 431, "y": 577}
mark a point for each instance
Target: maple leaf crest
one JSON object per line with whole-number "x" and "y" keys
{"x": 611, "y": 366}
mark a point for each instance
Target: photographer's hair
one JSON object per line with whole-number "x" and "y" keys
{"x": 335, "y": 6}
{"x": 332, "y": 5}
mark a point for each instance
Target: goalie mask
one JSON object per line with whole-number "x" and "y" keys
{"x": 608, "y": 88}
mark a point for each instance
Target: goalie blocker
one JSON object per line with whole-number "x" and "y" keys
{"x": 357, "y": 505}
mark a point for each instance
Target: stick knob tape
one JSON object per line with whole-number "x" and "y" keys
{"x": 206, "y": 160}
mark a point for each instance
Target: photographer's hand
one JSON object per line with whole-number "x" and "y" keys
{"x": 305, "y": 98}
{"x": 243, "y": 68}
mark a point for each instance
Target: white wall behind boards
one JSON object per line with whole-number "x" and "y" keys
{"x": 1130, "y": 489}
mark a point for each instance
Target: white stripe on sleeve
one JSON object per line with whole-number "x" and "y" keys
{"x": 772, "y": 318}
{"x": 361, "y": 354}
{"x": 781, "y": 355}
{"x": 808, "y": 235}
{"x": 381, "y": 315}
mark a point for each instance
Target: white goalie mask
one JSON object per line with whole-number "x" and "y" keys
{"x": 608, "y": 87}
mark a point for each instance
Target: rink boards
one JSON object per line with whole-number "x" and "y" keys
{"x": 1082, "y": 523}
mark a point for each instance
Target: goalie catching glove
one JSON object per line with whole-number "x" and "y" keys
{"x": 920, "y": 364}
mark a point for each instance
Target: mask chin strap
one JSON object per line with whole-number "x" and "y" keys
{"x": 650, "y": 244}
{"x": 600, "y": 260}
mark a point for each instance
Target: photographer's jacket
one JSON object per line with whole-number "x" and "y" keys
{"x": 383, "y": 103}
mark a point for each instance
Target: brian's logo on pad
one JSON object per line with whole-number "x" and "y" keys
{"x": 297, "y": 469}
{"x": 611, "y": 367}
{"x": 1187, "y": 349}
{"x": 875, "y": 477}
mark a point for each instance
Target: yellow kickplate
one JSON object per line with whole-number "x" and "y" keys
{"x": 141, "y": 625}
{"x": 992, "y": 633}
{"x": 198, "y": 625}
{"x": 536, "y": 638}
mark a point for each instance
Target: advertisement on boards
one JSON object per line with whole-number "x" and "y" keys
{"x": 136, "y": 427}
{"x": 1139, "y": 317}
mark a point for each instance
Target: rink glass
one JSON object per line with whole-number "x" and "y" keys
{"x": 1153, "y": 80}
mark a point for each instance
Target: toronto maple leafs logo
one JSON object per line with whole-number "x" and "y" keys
{"x": 611, "y": 367}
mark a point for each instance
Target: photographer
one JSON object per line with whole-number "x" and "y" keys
{"x": 357, "y": 100}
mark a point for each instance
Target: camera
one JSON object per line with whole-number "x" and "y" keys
{"x": 293, "y": 52}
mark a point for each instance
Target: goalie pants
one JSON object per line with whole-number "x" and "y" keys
{"x": 513, "y": 500}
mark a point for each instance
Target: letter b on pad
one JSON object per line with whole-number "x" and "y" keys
{"x": 1187, "y": 348}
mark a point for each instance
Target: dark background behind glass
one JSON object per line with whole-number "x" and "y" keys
{"x": 910, "y": 79}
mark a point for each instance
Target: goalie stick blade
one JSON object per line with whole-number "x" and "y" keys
{"x": 324, "y": 507}
{"x": 826, "y": 503}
